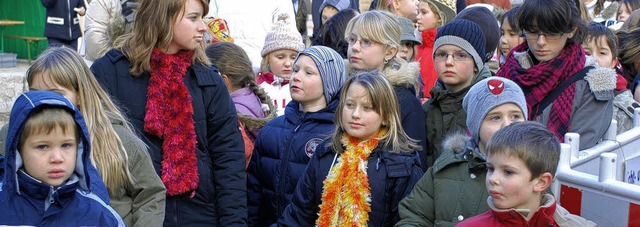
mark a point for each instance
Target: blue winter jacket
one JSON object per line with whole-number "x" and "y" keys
{"x": 62, "y": 22}
{"x": 220, "y": 199}
{"x": 392, "y": 176}
{"x": 27, "y": 201}
{"x": 282, "y": 150}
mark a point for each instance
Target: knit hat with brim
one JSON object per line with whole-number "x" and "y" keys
{"x": 464, "y": 34}
{"x": 447, "y": 9}
{"x": 282, "y": 36}
{"x": 331, "y": 67}
{"x": 489, "y": 25}
{"x": 488, "y": 94}
{"x": 408, "y": 30}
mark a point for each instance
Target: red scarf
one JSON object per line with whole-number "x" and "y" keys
{"x": 170, "y": 117}
{"x": 540, "y": 80}
{"x": 272, "y": 79}
{"x": 425, "y": 57}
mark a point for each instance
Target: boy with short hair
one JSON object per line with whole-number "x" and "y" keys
{"x": 453, "y": 189}
{"x": 47, "y": 167}
{"x": 521, "y": 162}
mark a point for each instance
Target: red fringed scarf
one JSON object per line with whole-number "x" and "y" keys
{"x": 170, "y": 117}
{"x": 272, "y": 79}
{"x": 540, "y": 80}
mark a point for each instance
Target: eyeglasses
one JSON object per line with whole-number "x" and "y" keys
{"x": 534, "y": 36}
{"x": 457, "y": 56}
{"x": 363, "y": 42}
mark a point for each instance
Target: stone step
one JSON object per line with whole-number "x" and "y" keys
{"x": 12, "y": 84}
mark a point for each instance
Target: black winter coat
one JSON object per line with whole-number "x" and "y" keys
{"x": 220, "y": 199}
{"x": 62, "y": 22}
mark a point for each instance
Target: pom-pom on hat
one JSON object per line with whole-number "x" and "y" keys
{"x": 489, "y": 25}
{"x": 464, "y": 34}
{"x": 488, "y": 94}
{"x": 282, "y": 36}
{"x": 331, "y": 67}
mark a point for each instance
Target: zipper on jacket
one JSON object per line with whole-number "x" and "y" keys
{"x": 283, "y": 168}
{"x": 70, "y": 21}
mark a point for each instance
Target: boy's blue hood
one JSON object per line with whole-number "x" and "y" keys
{"x": 21, "y": 111}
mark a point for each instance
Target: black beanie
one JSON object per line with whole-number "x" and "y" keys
{"x": 489, "y": 25}
{"x": 464, "y": 34}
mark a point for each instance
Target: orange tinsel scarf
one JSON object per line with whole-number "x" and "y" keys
{"x": 346, "y": 194}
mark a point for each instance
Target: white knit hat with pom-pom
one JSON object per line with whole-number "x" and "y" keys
{"x": 282, "y": 36}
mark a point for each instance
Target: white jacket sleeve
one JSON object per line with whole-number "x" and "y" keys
{"x": 103, "y": 17}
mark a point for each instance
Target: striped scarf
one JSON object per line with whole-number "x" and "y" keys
{"x": 540, "y": 80}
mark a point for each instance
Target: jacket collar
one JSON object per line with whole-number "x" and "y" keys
{"x": 524, "y": 217}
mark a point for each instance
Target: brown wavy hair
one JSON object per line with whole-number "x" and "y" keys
{"x": 154, "y": 29}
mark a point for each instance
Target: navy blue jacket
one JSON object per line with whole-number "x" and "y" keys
{"x": 27, "y": 201}
{"x": 220, "y": 199}
{"x": 391, "y": 178}
{"x": 62, "y": 22}
{"x": 282, "y": 150}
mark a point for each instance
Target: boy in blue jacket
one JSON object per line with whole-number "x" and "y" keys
{"x": 47, "y": 167}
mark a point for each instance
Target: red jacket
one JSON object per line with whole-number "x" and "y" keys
{"x": 549, "y": 214}
{"x": 425, "y": 57}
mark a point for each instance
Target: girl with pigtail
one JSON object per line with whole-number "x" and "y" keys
{"x": 253, "y": 105}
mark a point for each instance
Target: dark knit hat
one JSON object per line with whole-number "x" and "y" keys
{"x": 489, "y": 25}
{"x": 486, "y": 95}
{"x": 408, "y": 30}
{"x": 464, "y": 34}
{"x": 331, "y": 67}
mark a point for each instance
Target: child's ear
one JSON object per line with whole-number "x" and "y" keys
{"x": 391, "y": 53}
{"x": 543, "y": 182}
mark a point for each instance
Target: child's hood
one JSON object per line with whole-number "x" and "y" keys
{"x": 399, "y": 72}
{"x": 22, "y": 109}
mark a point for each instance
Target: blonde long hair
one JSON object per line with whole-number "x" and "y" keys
{"x": 378, "y": 26}
{"x": 66, "y": 68}
{"x": 384, "y": 102}
{"x": 155, "y": 30}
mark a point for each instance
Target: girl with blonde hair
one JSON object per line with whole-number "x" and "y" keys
{"x": 374, "y": 41}
{"x": 135, "y": 191}
{"x": 161, "y": 76}
{"x": 360, "y": 175}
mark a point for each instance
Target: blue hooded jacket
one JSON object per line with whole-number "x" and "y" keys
{"x": 27, "y": 201}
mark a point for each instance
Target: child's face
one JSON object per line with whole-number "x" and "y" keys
{"x": 365, "y": 54}
{"x": 50, "y": 158}
{"x": 406, "y": 52}
{"x": 328, "y": 12}
{"x": 306, "y": 85}
{"x": 406, "y": 8}
{"x": 189, "y": 29}
{"x": 426, "y": 18}
{"x": 281, "y": 62}
{"x": 497, "y": 118}
{"x": 623, "y": 12}
{"x": 359, "y": 118}
{"x": 508, "y": 38}
{"x": 600, "y": 50}
{"x": 42, "y": 82}
{"x": 456, "y": 75}
{"x": 509, "y": 183}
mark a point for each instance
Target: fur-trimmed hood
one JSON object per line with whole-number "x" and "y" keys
{"x": 253, "y": 123}
{"x": 399, "y": 72}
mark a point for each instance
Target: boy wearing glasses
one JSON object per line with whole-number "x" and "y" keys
{"x": 458, "y": 48}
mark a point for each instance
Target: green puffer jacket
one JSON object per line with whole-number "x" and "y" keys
{"x": 444, "y": 115}
{"x": 452, "y": 190}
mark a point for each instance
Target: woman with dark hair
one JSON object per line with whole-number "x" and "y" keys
{"x": 629, "y": 57}
{"x": 565, "y": 91}
{"x": 332, "y": 32}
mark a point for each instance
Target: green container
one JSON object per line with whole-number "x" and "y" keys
{"x": 33, "y": 14}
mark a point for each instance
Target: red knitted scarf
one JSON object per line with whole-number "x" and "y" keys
{"x": 272, "y": 79}
{"x": 170, "y": 117}
{"x": 540, "y": 80}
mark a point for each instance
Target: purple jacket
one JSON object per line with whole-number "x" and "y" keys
{"x": 247, "y": 103}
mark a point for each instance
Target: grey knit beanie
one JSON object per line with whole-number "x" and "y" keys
{"x": 338, "y": 4}
{"x": 464, "y": 34}
{"x": 282, "y": 36}
{"x": 489, "y": 25}
{"x": 488, "y": 94}
{"x": 331, "y": 66}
